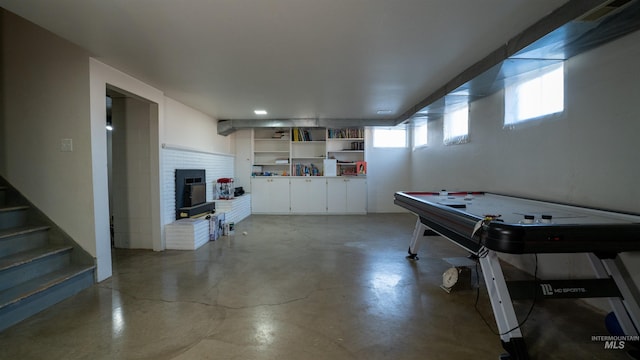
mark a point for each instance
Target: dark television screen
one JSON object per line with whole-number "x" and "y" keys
{"x": 197, "y": 194}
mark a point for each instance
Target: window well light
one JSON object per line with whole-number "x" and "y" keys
{"x": 260, "y": 112}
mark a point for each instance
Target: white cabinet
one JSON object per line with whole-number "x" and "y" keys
{"x": 270, "y": 195}
{"x": 309, "y": 195}
{"x": 347, "y": 195}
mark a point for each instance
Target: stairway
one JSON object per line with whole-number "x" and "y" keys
{"x": 40, "y": 265}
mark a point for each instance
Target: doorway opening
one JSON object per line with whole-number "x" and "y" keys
{"x": 129, "y": 168}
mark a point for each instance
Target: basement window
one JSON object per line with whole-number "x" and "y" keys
{"x": 456, "y": 125}
{"x": 395, "y": 137}
{"x": 420, "y": 134}
{"x": 541, "y": 94}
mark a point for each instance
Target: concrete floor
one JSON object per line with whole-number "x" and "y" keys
{"x": 294, "y": 287}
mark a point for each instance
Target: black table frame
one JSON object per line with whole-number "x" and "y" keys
{"x": 611, "y": 280}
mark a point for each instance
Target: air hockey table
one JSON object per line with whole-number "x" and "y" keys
{"x": 486, "y": 224}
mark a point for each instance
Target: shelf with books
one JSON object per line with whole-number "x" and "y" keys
{"x": 276, "y": 151}
{"x": 308, "y": 134}
{"x": 307, "y": 168}
{"x": 346, "y": 133}
{"x": 345, "y": 145}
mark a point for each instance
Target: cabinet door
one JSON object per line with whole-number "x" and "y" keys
{"x": 356, "y": 195}
{"x": 309, "y": 195}
{"x": 336, "y": 195}
{"x": 270, "y": 195}
{"x": 347, "y": 195}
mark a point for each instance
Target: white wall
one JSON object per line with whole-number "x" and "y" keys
{"x": 187, "y": 127}
{"x": 587, "y": 156}
{"x": 45, "y": 98}
{"x": 388, "y": 171}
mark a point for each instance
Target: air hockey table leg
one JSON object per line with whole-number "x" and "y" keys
{"x": 505, "y": 316}
{"x": 626, "y": 309}
{"x": 418, "y": 232}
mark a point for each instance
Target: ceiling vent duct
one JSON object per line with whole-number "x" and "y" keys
{"x": 608, "y": 8}
{"x": 226, "y": 127}
{"x": 573, "y": 28}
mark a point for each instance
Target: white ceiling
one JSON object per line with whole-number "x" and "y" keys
{"x": 341, "y": 59}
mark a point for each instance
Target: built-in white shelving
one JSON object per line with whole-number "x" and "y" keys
{"x": 302, "y": 151}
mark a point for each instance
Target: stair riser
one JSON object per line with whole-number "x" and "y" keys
{"x": 25, "y": 272}
{"x": 23, "y": 242}
{"x": 32, "y": 305}
{"x": 10, "y": 219}
{"x": 28, "y": 287}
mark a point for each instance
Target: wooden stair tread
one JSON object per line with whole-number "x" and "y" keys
{"x": 21, "y": 230}
{"x": 24, "y": 257}
{"x": 42, "y": 283}
{"x": 36, "y": 263}
{"x": 13, "y": 208}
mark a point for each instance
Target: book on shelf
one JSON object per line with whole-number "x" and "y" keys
{"x": 300, "y": 134}
{"x": 346, "y": 133}
{"x": 306, "y": 170}
{"x": 361, "y": 167}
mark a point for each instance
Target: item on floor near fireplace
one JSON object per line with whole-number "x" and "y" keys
{"x": 216, "y": 225}
{"x": 225, "y": 189}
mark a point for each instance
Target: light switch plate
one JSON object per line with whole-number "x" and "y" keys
{"x": 66, "y": 145}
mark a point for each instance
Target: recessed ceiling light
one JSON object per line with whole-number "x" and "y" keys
{"x": 383, "y": 112}
{"x": 260, "y": 112}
